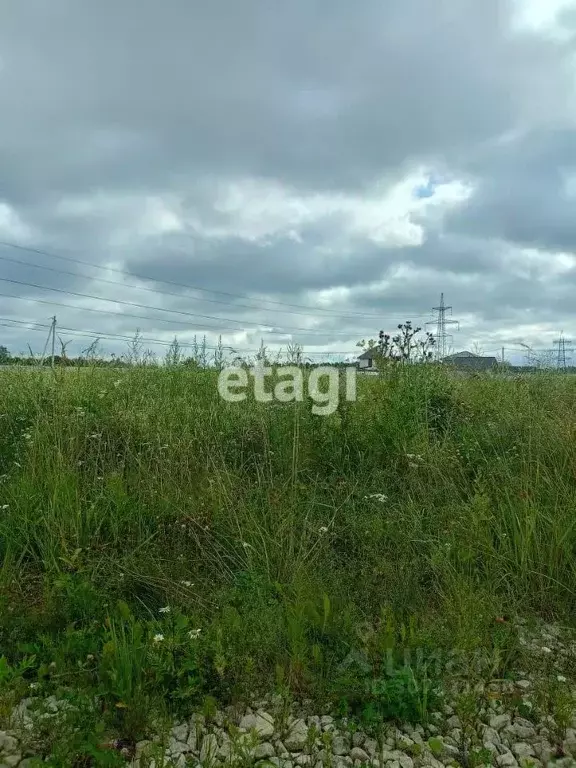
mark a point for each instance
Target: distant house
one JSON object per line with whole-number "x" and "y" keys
{"x": 463, "y": 361}
{"x": 468, "y": 361}
{"x": 367, "y": 361}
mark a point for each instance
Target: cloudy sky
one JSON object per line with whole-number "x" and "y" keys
{"x": 297, "y": 172}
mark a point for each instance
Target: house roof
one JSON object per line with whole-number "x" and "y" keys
{"x": 470, "y": 361}
{"x": 461, "y": 354}
{"x": 465, "y": 359}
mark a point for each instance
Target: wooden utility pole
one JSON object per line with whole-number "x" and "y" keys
{"x": 51, "y": 337}
{"x": 53, "y": 332}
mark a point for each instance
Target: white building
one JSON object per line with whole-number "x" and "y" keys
{"x": 367, "y": 361}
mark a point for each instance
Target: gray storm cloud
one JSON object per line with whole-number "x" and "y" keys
{"x": 251, "y": 148}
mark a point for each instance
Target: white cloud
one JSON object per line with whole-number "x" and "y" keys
{"x": 332, "y": 296}
{"x": 124, "y": 217}
{"x": 531, "y": 262}
{"x": 543, "y": 16}
{"x": 11, "y": 225}
{"x": 387, "y": 215}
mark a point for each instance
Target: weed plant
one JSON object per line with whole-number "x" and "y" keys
{"x": 160, "y": 546}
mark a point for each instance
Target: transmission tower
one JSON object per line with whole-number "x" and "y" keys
{"x": 441, "y": 323}
{"x": 562, "y": 343}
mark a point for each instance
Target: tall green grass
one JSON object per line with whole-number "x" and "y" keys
{"x": 255, "y": 524}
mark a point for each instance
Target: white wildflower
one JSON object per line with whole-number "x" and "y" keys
{"x": 90, "y": 657}
{"x": 187, "y": 583}
{"x": 414, "y": 457}
{"x": 166, "y": 609}
{"x": 158, "y": 638}
{"x": 323, "y": 529}
{"x": 561, "y": 679}
{"x": 33, "y": 686}
{"x": 545, "y": 649}
{"x": 194, "y": 634}
{"x": 381, "y": 497}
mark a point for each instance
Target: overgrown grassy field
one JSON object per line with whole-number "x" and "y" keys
{"x": 162, "y": 549}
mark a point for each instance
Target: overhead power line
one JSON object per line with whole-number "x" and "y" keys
{"x": 310, "y": 313}
{"x": 242, "y": 323}
{"x": 53, "y": 255}
{"x": 195, "y": 328}
{"x": 35, "y": 326}
{"x": 107, "y": 335}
